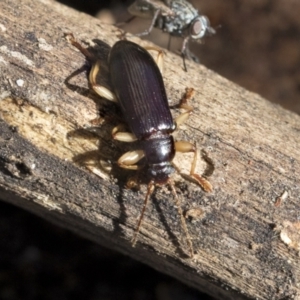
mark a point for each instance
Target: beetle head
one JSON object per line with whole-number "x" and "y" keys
{"x": 200, "y": 27}
{"x": 159, "y": 173}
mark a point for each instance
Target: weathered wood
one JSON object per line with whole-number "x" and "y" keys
{"x": 247, "y": 239}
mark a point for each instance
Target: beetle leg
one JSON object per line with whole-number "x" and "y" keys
{"x": 129, "y": 159}
{"x": 125, "y": 137}
{"x": 99, "y": 89}
{"x": 122, "y": 135}
{"x": 70, "y": 37}
{"x": 185, "y": 147}
{"x": 189, "y": 93}
{"x": 182, "y": 118}
{"x": 159, "y": 59}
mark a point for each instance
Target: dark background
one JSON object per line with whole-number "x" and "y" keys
{"x": 257, "y": 46}
{"x": 41, "y": 261}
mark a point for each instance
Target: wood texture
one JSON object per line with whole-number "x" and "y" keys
{"x": 246, "y": 234}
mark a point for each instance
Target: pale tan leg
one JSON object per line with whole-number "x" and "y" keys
{"x": 129, "y": 159}
{"x": 185, "y": 147}
{"x": 159, "y": 59}
{"x": 182, "y": 118}
{"x": 99, "y": 89}
{"x": 121, "y": 135}
{"x": 189, "y": 93}
{"x": 125, "y": 137}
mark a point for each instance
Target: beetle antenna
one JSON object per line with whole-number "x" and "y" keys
{"x": 182, "y": 219}
{"x": 150, "y": 190}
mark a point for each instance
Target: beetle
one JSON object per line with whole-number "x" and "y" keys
{"x": 139, "y": 89}
{"x": 177, "y": 17}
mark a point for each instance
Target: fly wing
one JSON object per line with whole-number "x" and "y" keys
{"x": 140, "y": 90}
{"x": 146, "y": 9}
{"x": 139, "y": 9}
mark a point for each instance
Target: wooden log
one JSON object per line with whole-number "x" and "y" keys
{"x": 245, "y": 233}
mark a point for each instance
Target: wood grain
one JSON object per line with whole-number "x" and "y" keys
{"x": 247, "y": 241}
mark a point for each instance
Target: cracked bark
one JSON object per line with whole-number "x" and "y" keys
{"x": 245, "y": 235}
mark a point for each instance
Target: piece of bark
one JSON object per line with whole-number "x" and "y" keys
{"x": 245, "y": 231}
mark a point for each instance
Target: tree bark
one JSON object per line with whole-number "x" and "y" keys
{"x": 245, "y": 233}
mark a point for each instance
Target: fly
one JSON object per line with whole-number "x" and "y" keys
{"x": 176, "y": 17}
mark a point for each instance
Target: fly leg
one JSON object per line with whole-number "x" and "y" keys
{"x": 183, "y": 52}
{"x": 186, "y": 53}
{"x": 147, "y": 31}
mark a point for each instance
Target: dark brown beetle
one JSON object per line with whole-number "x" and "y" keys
{"x": 139, "y": 90}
